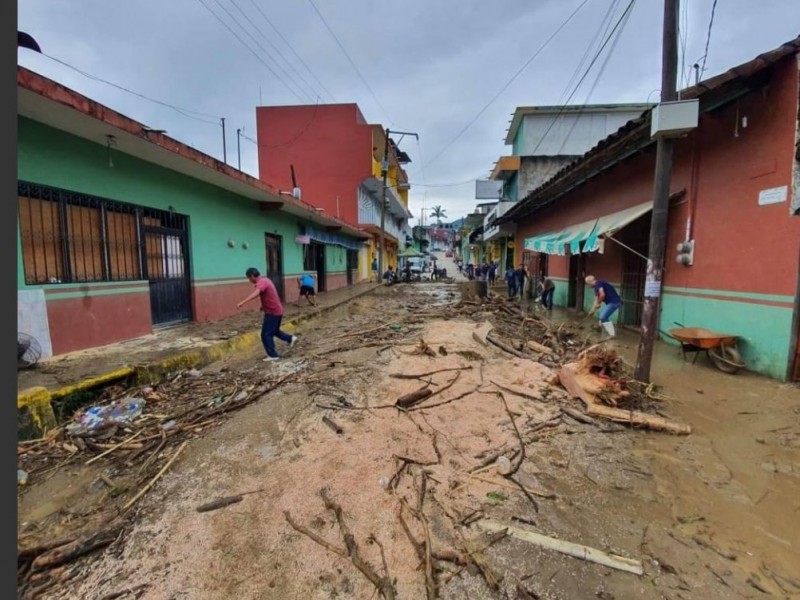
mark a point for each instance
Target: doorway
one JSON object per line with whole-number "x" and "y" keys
{"x": 352, "y": 265}
{"x": 165, "y": 239}
{"x": 319, "y": 262}
{"x": 636, "y": 237}
{"x": 274, "y": 246}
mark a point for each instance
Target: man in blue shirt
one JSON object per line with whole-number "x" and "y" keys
{"x": 306, "y": 283}
{"x": 604, "y": 292}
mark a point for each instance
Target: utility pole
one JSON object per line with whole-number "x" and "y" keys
{"x": 661, "y": 188}
{"x": 224, "y": 143}
{"x": 239, "y": 147}
{"x": 385, "y": 175}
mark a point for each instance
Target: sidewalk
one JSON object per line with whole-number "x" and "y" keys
{"x": 185, "y": 345}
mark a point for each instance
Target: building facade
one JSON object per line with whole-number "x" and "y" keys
{"x": 123, "y": 229}
{"x": 734, "y": 196}
{"x": 337, "y": 159}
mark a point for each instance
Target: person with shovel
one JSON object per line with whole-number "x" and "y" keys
{"x": 604, "y": 292}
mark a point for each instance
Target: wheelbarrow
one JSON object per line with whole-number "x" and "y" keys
{"x": 720, "y": 348}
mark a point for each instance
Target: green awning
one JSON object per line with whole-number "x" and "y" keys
{"x": 588, "y": 232}
{"x": 409, "y": 253}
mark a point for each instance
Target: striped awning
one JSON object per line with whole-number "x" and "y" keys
{"x": 557, "y": 242}
{"x": 588, "y": 232}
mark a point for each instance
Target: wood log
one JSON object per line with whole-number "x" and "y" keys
{"x": 541, "y": 348}
{"x": 599, "y": 557}
{"x": 413, "y": 398}
{"x": 69, "y": 552}
{"x": 570, "y": 378}
{"x": 505, "y": 347}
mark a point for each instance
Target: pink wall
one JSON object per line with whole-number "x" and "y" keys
{"x": 740, "y": 246}
{"x": 330, "y": 147}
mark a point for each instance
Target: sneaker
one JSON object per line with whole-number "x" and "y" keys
{"x": 293, "y": 342}
{"x": 271, "y": 358}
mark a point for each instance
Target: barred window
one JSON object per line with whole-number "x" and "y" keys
{"x": 73, "y": 238}
{"x": 309, "y": 257}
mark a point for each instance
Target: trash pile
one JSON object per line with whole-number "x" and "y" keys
{"x": 137, "y": 433}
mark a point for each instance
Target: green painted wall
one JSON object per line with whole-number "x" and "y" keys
{"x": 51, "y": 157}
{"x": 764, "y": 331}
{"x": 335, "y": 259}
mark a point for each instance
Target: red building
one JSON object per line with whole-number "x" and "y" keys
{"x": 734, "y": 195}
{"x": 337, "y": 159}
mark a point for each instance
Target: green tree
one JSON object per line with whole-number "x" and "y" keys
{"x": 438, "y": 213}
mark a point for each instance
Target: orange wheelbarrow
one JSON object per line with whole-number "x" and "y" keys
{"x": 720, "y": 348}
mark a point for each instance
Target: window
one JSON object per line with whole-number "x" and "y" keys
{"x": 309, "y": 257}
{"x": 73, "y": 238}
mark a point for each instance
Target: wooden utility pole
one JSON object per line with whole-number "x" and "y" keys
{"x": 659, "y": 219}
{"x": 384, "y": 173}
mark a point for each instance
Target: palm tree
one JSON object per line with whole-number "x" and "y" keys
{"x": 438, "y": 213}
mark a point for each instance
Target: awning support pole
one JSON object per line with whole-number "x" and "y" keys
{"x": 613, "y": 239}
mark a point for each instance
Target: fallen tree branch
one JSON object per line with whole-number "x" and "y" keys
{"x": 157, "y": 476}
{"x": 419, "y": 375}
{"x": 505, "y": 347}
{"x": 586, "y": 553}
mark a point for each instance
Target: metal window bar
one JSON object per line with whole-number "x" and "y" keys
{"x": 69, "y": 237}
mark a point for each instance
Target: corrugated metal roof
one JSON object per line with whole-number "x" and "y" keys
{"x": 635, "y": 134}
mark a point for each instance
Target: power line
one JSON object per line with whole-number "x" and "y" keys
{"x": 602, "y": 70}
{"x": 288, "y": 45}
{"x": 264, "y": 50}
{"x": 352, "y": 63}
{"x": 708, "y": 37}
{"x": 291, "y": 141}
{"x": 249, "y": 49}
{"x": 314, "y": 93}
{"x": 508, "y": 83}
{"x": 183, "y": 111}
{"x": 583, "y": 77}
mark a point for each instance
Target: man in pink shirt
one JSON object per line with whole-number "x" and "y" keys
{"x": 273, "y": 312}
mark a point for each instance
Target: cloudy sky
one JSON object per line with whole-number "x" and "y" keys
{"x": 429, "y": 66}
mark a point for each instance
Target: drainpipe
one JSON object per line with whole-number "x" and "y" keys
{"x": 694, "y": 173}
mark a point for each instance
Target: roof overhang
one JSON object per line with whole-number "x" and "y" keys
{"x": 395, "y": 205}
{"x": 634, "y": 136}
{"x": 50, "y": 103}
{"x": 505, "y": 167}
{"x": 522, "y": 111}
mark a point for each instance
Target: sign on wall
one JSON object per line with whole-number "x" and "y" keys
{"x": 488, "y": 189}
{"x": 775, "y": 195}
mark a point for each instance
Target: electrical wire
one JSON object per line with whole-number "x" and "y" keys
{"x": 352, "y": 63}
{"x": 507, "y": 84}
{"x": 288, "y": 45}
{"x": 314, "y": 93}
{"x": 264, "y": 50}
{"x": 585, "y": 74}
{"x": 291, "y": 141}
{"x": 191, "y": 114}
{"x": 249, "y": 49}
{"x": 595, "y": 82}
{"x": 708, "y": 38}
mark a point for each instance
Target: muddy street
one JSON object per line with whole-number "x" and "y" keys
{"x": 489, "y": 483}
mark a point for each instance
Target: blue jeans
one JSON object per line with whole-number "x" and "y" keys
{"x": 547, "y": 298}
{"x": 607, "y": 311}
{"x": 272, "y": 328}
{"x": 512, "y": 289}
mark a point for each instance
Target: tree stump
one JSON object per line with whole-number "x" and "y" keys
{"x": 473, "y": 290}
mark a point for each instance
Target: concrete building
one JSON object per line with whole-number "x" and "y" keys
{"x": 123, "y": 229}
{"x": 337, "y": 160}
{"x": 735, "y": 197}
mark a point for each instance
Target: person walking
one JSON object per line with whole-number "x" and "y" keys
{"x": 520, "y": 276}
{"x": 306, "y": 283}
{"x": 511, "y": 280}
{"x": 375, "y": 268}
{"x": 492, "y": 273}
{"x": 548, "y": 289}
{"x": 273, "y": 312}
{"x": 604, "y": 292}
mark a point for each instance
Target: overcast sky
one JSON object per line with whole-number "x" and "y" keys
{"x": 430, "y": 66}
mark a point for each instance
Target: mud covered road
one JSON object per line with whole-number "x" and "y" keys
{"x": 711, "y": 515}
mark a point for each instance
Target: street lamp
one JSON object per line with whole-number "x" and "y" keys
{"x": 385, "y": 175}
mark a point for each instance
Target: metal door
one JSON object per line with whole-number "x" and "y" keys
{"x": 352, "y": 264}
{"x": 274, "y": 244}
{"x": 634, "y": 272}
{"x": 319, "y": 258}
{"x": 165, "y": 244}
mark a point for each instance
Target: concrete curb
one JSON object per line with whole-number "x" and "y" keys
{"x": 38, "y": 400}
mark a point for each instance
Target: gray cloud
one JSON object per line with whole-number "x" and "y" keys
{"x": 432, "y": 64}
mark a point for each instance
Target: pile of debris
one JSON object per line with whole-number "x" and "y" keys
{"x": 137, "y": 433}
